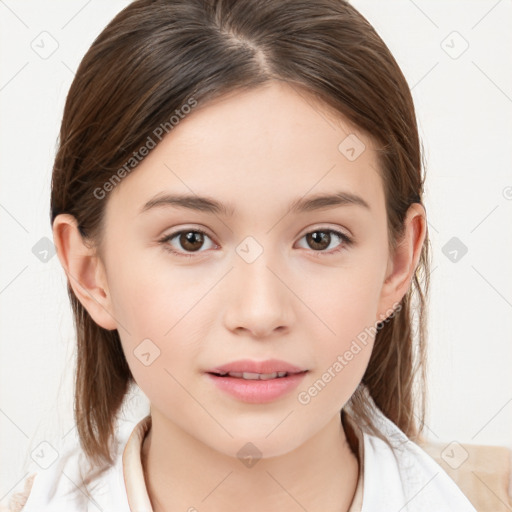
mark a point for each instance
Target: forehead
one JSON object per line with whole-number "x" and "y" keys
{"x": 260, "y": 147}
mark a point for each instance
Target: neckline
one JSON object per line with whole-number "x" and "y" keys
{"x": 134, "y": 475}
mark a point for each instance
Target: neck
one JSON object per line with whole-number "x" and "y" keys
{"x": 181, "y": 473}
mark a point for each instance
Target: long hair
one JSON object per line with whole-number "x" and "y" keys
{"x": 155, "y": 57}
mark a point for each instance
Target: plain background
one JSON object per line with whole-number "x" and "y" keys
{"x": 456, "y": 58}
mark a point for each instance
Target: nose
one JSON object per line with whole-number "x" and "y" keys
{"x": 258, "y": 299}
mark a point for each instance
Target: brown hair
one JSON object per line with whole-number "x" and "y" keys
{"x": 149, "y": 61}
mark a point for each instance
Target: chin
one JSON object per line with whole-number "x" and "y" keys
{"x": 254, "y": 445}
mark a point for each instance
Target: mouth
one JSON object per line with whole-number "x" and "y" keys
{"x": 256, "y": 376}
{"x": 252, "y": 370}
{"x": 272, "y": 381}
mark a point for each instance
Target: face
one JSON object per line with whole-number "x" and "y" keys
{"x": 190, "y": 289}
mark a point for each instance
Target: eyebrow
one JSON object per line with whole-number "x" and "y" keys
{"x": 211, "y": 205}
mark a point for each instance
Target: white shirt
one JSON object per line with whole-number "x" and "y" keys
{"x": 399, "y": 479}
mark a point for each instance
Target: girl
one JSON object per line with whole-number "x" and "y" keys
{"x": 237, "y": 204}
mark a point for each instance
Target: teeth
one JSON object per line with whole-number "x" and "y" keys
{"x": 263, "y": 376}
{"x": 255, "y": 376}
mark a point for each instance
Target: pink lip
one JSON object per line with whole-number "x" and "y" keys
{"x": 247, "y": 365}
{"x": 257, "y": 391}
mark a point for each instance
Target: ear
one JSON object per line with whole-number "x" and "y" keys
{"x": 402, "y": 264}
{"x": 84, "y": 270}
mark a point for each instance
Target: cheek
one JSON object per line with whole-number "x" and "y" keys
{"x": 346, "y": 299}
{"x": 345, "y": 302}
{"x": 150, "y": 293}
{"x": 344, "y": 342}
{"x": 163, "y": 312}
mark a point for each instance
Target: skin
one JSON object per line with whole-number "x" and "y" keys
{"x": 256, "y": 151}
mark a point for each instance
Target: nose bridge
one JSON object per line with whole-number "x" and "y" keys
{"x": 260, "y": 301}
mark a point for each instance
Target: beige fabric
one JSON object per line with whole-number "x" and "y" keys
{"x": 482, "y": 472}
{"x": 18, "y": 500}
{"x": 356, "y": 441}
{"x": 132, "y": 468}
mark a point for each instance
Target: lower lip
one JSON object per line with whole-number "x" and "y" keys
{"x": 257, "y": 391}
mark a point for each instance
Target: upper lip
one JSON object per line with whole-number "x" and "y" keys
{"x": 263, "y": 367}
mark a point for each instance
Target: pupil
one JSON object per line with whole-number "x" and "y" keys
{"x": 320, "y": 239}
{"x": 192, "y": 240}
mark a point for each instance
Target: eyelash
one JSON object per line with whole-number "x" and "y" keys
{"x": 347, "y": 241}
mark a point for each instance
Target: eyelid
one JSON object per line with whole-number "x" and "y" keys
{"x": 325, "y": 227}
{"x": 180, "y": 229}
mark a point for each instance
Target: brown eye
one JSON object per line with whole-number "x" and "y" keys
{"x": 191, "y": 240}
{"x": 321, "y": 240}
{"x": 185, "y": 241}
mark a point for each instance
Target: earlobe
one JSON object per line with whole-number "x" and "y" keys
{"x": 402, "y": 264}
{"x": 84, "y": 270}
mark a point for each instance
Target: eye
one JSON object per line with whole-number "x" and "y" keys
{"x": 321, "y": 239}
{"x": 192, "y": 240}
{"x": 189, "y": 239}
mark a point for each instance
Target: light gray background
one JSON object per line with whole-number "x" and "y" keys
{"x": 463, "y": 99}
